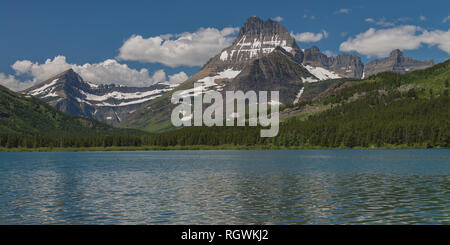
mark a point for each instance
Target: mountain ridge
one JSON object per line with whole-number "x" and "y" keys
{"x": 397, "y": 63}
{"x": 25, "y": 114}
{"x": 68, "y": 92}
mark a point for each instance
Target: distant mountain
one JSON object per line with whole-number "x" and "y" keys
{"x": 25, "y": 114}
{"x": 396, "y": 63}
{"x": 264, "y": 56}
{"x": 344, "y": 65}
{"x": 68, "y": 92}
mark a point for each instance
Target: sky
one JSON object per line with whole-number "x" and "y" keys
{"x": 138, "y": 43}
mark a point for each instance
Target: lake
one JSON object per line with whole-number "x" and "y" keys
{"x": 226, "y": 187}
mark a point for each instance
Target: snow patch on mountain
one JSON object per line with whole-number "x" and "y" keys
{"x": 322, "y": 73}
{"x": 254, "y": 48}
{"x": 309, "y": 80}
{"x": 44, "y": 88}
{"x": 299, "y": 95}
{"x": 209, "y": 81}
{"x": 122, "y": 96}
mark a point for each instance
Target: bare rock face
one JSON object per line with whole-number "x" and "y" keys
{"x": 397, "y": 63}
{"x": 346, "y": 65}
{"x": 276, "y": 71}
{"x": 256, "y": 38}
{"x": 68, "y": 92}
{"x": 349, "y": 65}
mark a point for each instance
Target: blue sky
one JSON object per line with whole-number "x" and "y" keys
{"x": 94, "y": 31}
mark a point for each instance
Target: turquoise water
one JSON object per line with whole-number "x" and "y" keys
{"x": 226, "y": 187}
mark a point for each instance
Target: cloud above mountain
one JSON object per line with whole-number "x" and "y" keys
{"x": 185, "y": 49}
{"x": 310, "y": 37}
{"x": 343, "y": 11}
{"x": 108, "y": 71}
{"x": 11, "y": 82}
{"x": 381, "y": 42}
{"x": 278, "y": 18}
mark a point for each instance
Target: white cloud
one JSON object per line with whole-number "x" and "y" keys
{"x": 446, "y": 19}
{"x": 343, "y": 11}
{"x": 381, "y": 42}
{"x": 383, "y": 22}
{"x": 422, "y": 18}
{"x": 307, "y": 16}
{"x": 108, "y": 71}
{"x": 309, "y": 37}
{"x": 185, "y": 49}
{"x": 278, "y": 19}
{"x": 329, "y": 53}
{"x": 178, "y": 78}
{"x": 41, "y": 72}
{"x": 11, "y": 82}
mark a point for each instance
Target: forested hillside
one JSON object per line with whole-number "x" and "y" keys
{"x": 386, "y": 110}
{"x": 23, "y": 114}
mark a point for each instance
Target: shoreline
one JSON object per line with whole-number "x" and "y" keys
{"x": 206, "y": 147}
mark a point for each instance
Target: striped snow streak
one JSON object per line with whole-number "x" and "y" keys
{"x": 322, "y": 73}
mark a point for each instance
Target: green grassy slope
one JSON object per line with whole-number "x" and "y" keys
{"x": 27, "y": 115}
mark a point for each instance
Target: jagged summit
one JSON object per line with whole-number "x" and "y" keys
{"x": 345, "y": 65}
{"x": 66, "y": 76}
{"x": 397, "y": 63}
{"x": 396, "y": 53}
{"x": 256, "y": 27}
{"x": 314, "y": 49}
{"x": 256, "y": 38}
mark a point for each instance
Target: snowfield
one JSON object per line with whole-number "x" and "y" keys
{"x": 208, "y": 82}
{"x": 322, "y": 73}
{"x": 297, "y": 98}
{"x": 43, "y": 89}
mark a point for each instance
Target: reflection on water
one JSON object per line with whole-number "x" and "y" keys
{"x": 226, "y": 187}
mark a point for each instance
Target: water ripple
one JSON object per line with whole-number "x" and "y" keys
{"x": 226, "y": 187}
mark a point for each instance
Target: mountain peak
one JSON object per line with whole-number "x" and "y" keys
{"x": 255, "y": 27}
{"x": 67, "y": 73}
{"x": 256, "y": 38}
{"x": 315, "y": 49}
{"x": 68, "y": 92}
{"x": 253, "y": 19}
{"x": 396, "y": 53}
{"x": 70, "y": 71}
{"x": 396, "y": 63}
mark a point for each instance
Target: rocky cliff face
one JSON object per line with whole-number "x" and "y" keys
{"x": 397, "y": 63}
{"x": 345, "y": 65}
{"x": 68, "y": 92}
{"x": 276, "y": 71}
{"x": 256, "y": 38}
